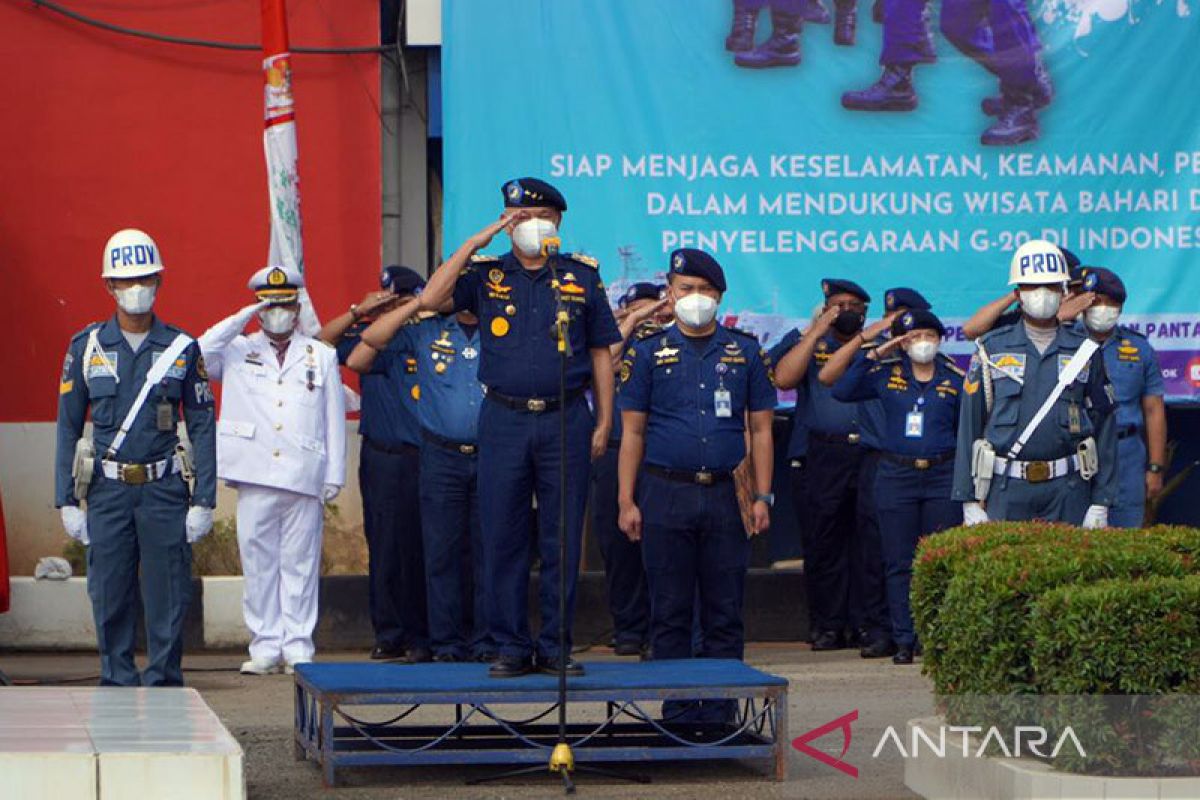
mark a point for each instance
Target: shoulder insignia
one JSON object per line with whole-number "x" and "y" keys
{"x": 480, "y": 258}
{"x": 645, "y": 332}
{"x": 950, "y": 365}
{"x": 584, "y": 259}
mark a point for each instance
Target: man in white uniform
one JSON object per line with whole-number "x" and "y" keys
{"x": 281, "y": 442}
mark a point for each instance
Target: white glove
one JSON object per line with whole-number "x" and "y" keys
{"x": 198, "y": 523}
{"x": 74, "y": 520}
{"x": 329, "y": 491}
{"x": 1096, "y": 517}
{"x": 973, "y": 514}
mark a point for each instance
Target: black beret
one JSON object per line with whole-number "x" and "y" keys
{"x": 921, "y": 319}
{"x": 640, "y": 291}
{"x": 401, "y": 280}
{"x": 698, "y": 264}
{"x": 832, "y": 286}
{"x": 903, "y": 297}
{"x": 532, "y": 193}
{"x": 1104, "y": 281}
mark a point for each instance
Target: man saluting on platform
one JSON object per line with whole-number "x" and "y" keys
{"x": 688, "y": 395}
{"x": 516, "y": 297}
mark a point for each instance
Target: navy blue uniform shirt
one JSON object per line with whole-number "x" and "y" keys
{"x": 448, "y": 374}
{"x": 899, "y": 394}
{"x": 516, "y": 309}
{"x": 91, "y": 385}
{"x": 389, "y": 392}
{"x": 822, "y": 412}
{"x": 674, "y": 382}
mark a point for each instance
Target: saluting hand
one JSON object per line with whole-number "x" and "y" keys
{"x": 824, "y": 322}
{"x": 1075, "y": 305}
{"x": 485, "y": 236}
{"x": 876, "y": 328}
{"x": 374, "y": 301}
{"x": 630, "y": 522}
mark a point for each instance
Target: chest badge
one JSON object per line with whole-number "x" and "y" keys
{"x": 666, "y": 352}
{"x": 439, "y": 367}
{"x": 470, "y": 353}
{"x": 499, "y": 327}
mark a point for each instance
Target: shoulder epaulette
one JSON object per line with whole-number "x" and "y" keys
{"x": 646, "y": 330}
{"x": 950, "y": 365}
{"x": 479, "y": 258}
{"x": 1130, "y": 333}
{"x": 741, "y": 332}
{"x": 86, "y": 330}
{"x": 586, "y": 260}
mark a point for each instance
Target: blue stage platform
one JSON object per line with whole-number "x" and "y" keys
{"x": 612, "y": 714}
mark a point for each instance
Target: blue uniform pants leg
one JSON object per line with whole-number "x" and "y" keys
{"x": 1001, "y": 37}
{"x": 624, "y": 575}
{"x": 1130, "y": 510}
{"x": 868, "y": 598}
{"x": 165, "y": 558}
{"x": 550, "y": 493}
{"x": 392, "y": 523}
{"x": 505, "y": 492}
{"x": 112, "y": 560}
{"x": 832, "y": 508}
{"x": 800, "y": 503}
{"x": 447, "y": 480}
{"x": 906, "y": 35}
{"x": 1063, "y": 499}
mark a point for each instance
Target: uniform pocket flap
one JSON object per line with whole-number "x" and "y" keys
{"x": 312, "y": 445}
{"x": 229, "y": 427}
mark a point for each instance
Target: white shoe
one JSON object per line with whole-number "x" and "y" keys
{"x": 290, "y": 667}
{"x": 254, "y": 667}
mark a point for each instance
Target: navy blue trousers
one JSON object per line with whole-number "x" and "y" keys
{"x": 389, "y": 481}
{"x": 137, "y": 534}
{"x": 454, "y": 577}
{"x": 912, "y": 504}
{"x": 868, "y": 597}
{"x": 624, "y": 574}
{"x": 519, "y": 458}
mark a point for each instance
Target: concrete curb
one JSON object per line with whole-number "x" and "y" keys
{"x": 991, "y": 778}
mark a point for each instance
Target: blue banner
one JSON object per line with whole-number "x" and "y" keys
{"x": 660, "y": 137}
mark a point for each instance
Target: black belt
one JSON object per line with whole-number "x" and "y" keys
{"x": 836, "y": 438}
{"x": 462, "y": 448}
{"x": 1127, "y": 431}
{"x": 533, "y": 405}
{"x": 704, "y": 477}
{"x": 919, "y": 463}
{"x": 402, "y": 449}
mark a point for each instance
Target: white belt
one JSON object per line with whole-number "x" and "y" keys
{"x": 135, "y": 474}
{"x": 1036, "y": 471}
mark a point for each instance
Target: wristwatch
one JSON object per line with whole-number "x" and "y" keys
{"x": 768, "y": 498}
{"x": 354, "y": 311}
{"x": 1155, "y": 468}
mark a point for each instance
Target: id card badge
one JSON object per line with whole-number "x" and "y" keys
{"x": 723, "y": 403}
{"x": 914, "y": 425}
{"x": 164, "y": 419}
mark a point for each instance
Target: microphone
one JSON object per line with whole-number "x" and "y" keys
{"x": 550, "y": 246}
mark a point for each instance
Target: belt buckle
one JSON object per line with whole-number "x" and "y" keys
{"x": 704, "y": 478}
{"x": 535, "y": 404}
{"x": 921, "y": 463}
{"x": 134, "y": 474}
{"x": 467, "y": 449}
{"x": 853, "y": 438}
{"x": 1037, "y": 471}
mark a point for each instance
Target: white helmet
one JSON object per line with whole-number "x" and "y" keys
{"x": 1037, "y": 261}
{"x": 130, "y": 253}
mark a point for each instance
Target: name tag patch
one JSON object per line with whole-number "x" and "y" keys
{"x": 97, "y": 368}
{"x": 1010, "y": 365}
{"x": 1065, "y": 359}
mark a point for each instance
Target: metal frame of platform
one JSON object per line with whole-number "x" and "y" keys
{"x": 479, "y": 734}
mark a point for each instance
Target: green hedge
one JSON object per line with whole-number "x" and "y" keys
{"x": 1012, "y": 610}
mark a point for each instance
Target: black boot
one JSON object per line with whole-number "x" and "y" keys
{"x": 994, "y": 106}
{"x": 781, "y": 50}
{"x": 845, "y": 20}
{"x": 816, "y": 12}
{"x": 741, "y": 32}
{"x": 1017, "y": 124}
{"x": 892, "y": 92}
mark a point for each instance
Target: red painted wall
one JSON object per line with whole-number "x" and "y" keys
{"x": 100, "y": 131}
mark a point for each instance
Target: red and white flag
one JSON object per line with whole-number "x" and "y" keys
{"x": 279, "y": 144}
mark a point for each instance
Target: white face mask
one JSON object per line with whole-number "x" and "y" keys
{"x": 1102, "y": 319}
{"x": 136, "y": 299}
{"x": 695, "y": 310}
{"x": 529, "y": 235}
{"x": 277, "y": 320}
{"x": 922, "y": 352}
{"x": 1040, "y": 303}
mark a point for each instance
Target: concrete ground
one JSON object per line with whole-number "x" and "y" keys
{"x": 824, "y": 687}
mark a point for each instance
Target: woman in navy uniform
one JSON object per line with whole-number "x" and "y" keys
{"x": 920, "y": 397}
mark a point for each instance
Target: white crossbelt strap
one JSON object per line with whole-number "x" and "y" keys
{"x": 93, "y": 349}
{"x": 1068, "y": 374}
{"x": 156, "y": 373}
